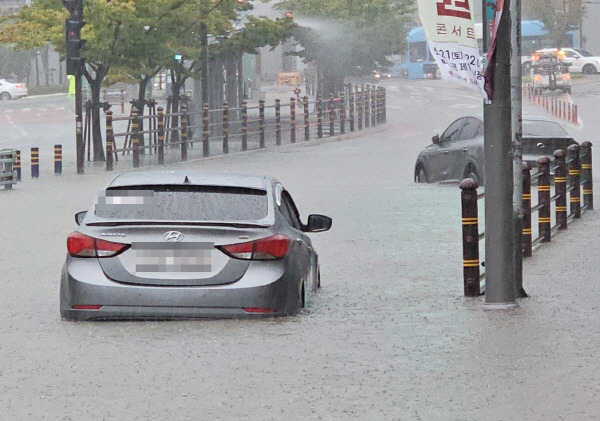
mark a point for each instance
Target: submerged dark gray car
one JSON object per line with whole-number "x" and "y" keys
{"x": 188, "y": 244}
{"x": 458, "y": 153}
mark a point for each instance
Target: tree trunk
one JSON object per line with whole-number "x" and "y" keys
{"x": 95, "y": 86}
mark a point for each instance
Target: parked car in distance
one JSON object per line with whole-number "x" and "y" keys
{"x": 190, "y": 244}
{"x": 580, "y": 61}
{"x": 11, "y": 90}
{"x": 458, "y": 153}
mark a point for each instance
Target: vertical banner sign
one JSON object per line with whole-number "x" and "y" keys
{"x": 450, "y": 33}
{"x": 491, "y": 54}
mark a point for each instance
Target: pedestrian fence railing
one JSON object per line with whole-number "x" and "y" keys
{"x": 560, "y": 107}
{"x": 558, "y": 183}
{"x": 228, "y": 129}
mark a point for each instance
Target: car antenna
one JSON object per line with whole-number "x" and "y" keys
{"x": 187, "y": 180}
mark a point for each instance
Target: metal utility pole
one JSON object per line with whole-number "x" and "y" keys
{"x": 499, "y": 232}
{"x": 75, "y": 62}
{"x": 516, "y": 77}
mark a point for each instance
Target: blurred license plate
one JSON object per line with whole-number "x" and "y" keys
{"x": 173, "y": 257}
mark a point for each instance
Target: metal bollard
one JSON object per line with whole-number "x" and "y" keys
{"x": 244, "y": 126}
{"x": 161, "y": 135}
{"x": 57, "y": 159}
{"x": 306, "y": 118}
{"x": 574, "y": 177}
{"x": 184, "y": 132}
{"x": 331, "y": 116}
{"x": 277, "y": 121}
{"x": 293, "y": 120}
{"x": 526, "y": 199}
{"x": 470, "y": 235}
{"x": 319, "y": 117}
{"x": 205, "y": 131}
{"x": 544, "y": 224}
{"x": 135, "y": 128}
{"x": 360, "y": 105}
{"x": 342, "y": 113}
{"x": 109, "y": 141}
{"x": 17, "y": 166}
{"x": 351, "y": 111}
{"x": 226, "y": 128}
{"x": 35, "y": 162}
{"x": 261, "y": 122}
{"x": 367, "y": 107}
{"x": 560, "y": 188}
{"x": 586, "y": 173}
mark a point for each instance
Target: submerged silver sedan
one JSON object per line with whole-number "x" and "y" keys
{"x": 190, "y": 244}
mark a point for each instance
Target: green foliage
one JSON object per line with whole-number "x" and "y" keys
{"x": 559, "y": 16}
{"x": 349, "y": 36}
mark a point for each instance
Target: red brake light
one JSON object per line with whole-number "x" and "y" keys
{"x": 86, "y": 307}
{"x": 258, "y": 310}
{"x": 80, "y": 245}
{"x": 275, "y": 247}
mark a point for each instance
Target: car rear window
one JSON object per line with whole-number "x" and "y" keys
{"x": 543, "y": 128}
{"x": 182, "y": 203}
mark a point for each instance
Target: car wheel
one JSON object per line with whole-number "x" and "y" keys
{"x": 302, "y": 298}
{"x": 319, "y": 279}
{"x": 4, "y": 96}
{"x": 7, "y": 186}
{"x": 420, "y": 175}
{"x": 589, "y": 69}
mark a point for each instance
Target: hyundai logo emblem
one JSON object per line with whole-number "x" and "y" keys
{"x": 173, "y": 236}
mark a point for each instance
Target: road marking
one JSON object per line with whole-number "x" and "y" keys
{"x": 15, "y": 126}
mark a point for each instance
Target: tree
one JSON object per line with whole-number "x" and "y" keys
{"x": 348, "y": 37}
{"x": 558, "y": 16}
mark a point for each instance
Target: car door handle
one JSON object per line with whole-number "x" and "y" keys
{"x": 445, "y": 152}
{"x": 465, "y": 150}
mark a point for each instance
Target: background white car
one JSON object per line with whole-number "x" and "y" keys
{"x": 10, "y": 90}
{"x": 580, "y": 61}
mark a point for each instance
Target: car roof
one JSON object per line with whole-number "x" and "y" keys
{"x": 192, "y": 177}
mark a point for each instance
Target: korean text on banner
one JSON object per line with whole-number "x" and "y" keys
{"x": 450, "y": 33}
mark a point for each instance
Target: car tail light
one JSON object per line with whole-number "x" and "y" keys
{"x": 269, "y": 248}
{"x": 566, "y": 77}
{"x": 80, "y": 245}
{"x": 537, "y": 78}
{"x": 86, "y": 307}
{"x": 20, "y": 85}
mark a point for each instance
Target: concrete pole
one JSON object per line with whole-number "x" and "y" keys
{"x": 499, "y": 231}
{"x": 516, "y": 94}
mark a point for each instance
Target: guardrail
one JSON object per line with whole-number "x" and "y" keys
{"x": 248, "y": 127}
{"x": 573, "y": 167}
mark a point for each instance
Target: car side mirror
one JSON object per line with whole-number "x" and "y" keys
{"x": 79, "y": 217}
{"x": 436, "y": 139}
{"x": 317, "y": 223}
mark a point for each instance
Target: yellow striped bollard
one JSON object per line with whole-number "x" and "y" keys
{"x": 544, "y": 225}
{"x": 35, "y": 162}
{"x": 574, "y": 177}
{"x": 57, "y": 159}
{"x": 244, "y": 126}
{"x": 109, "y": 141}
{"x": 586, "y": 175}
{"x": 277, "y": 121}
{"x": 560, "y": 188}
{"x": 205, "y": 128}
{"x": 135, "y": 128}
{"x": 161, "y": 135}
{"x": 470, "y": 235}
{"x": 526, "y": 199}
{"x": 225, "y": 127}
{"x": 293, "y": 120}
{"x": 17, "y": 166}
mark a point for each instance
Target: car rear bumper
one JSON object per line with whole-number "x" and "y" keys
{"x": 264, "y": 286}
